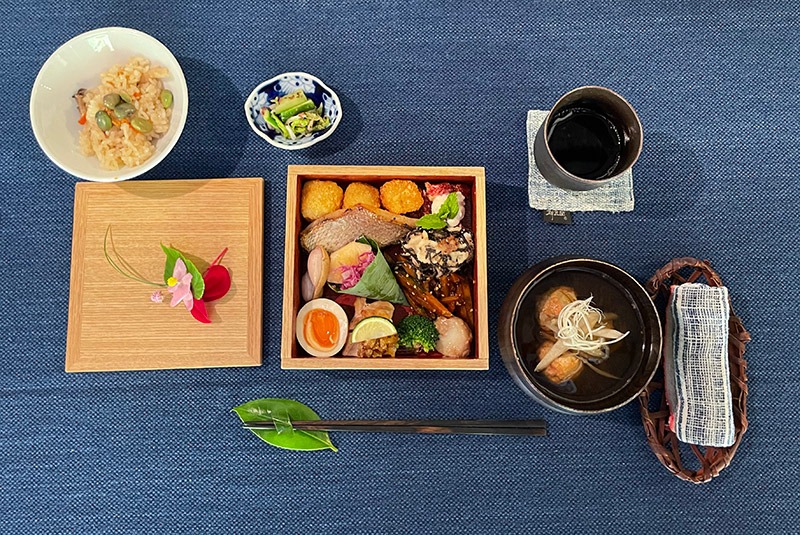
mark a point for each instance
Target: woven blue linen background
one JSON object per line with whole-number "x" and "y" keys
{"x": 449, "y": 83}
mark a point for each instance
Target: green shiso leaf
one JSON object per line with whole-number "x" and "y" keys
{"x": 378, "y": 281}
{"x": 448, "y": 210}
{"x": 283, "y": 412}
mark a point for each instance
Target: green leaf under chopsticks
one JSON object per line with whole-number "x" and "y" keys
{"x": 283, "y": 412}
{"x": 198, "y": 284}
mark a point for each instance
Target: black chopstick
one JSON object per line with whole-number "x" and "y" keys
{"x": 462, "y": 427}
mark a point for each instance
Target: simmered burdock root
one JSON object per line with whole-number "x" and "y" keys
{"x": 563, "y": 368}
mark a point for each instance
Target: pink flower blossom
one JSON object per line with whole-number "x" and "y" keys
{"x": 180, "y": 285}
{"x": 157, "y": 297}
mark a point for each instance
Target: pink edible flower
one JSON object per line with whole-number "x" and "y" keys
{"x": 352, "y": 274}
{"x": 179, "y": 285}
{"x": 157, "y": 297}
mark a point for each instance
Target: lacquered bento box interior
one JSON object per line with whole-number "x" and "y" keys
{"x": 470, "y": 181}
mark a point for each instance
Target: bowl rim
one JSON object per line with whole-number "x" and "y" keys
{"x": 312, "y": 141}
{"x": 543, "y": 268}
{"x": 129, "y": 172}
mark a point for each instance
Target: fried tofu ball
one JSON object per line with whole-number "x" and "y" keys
{"x": 361, "y": 193}
{"x": 319, "y": 198}
{"x": 401, "y": 196}
{"x": 564, "y": 368}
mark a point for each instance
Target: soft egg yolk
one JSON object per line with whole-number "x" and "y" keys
{"x": 322, "y": 329}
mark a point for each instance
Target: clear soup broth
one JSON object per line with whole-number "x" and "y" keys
{"x": 610, "y": 297}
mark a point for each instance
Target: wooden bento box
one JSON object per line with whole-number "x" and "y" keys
{"x": 471, "y": 179}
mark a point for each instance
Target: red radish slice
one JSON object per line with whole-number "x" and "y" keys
{"x": 218, "y": 282}
{"x": 199, "y": 311}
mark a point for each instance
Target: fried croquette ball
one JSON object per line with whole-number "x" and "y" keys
{"x": 319, "y": 198}
{"x": 401, "y": 196}
{"x": 361, "y": 193}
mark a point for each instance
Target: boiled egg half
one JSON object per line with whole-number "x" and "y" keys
{"x": 321, "y": 327}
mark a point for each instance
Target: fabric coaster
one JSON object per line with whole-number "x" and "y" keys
{"x": 616, "y": 196}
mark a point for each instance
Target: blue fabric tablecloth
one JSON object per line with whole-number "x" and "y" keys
{"x": 715, "y": 84}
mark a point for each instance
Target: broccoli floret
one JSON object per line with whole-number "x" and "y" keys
{"x": 418, "y": 333}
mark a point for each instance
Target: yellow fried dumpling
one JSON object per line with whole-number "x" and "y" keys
{"x": 319, "y": 198}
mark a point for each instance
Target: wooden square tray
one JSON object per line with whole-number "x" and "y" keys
{"x": 292, "y": 356}
{"x": 113, "y": 325}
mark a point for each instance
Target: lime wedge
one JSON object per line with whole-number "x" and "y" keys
{"x": 371, "y": 328}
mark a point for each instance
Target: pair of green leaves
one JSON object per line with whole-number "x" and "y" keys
{"x": 198, "y": 284}
{"x": 282, "y": 412}
{"x": 448, "y": 210}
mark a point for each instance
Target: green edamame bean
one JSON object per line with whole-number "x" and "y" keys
{"x": 125, "y": 97}
{"x": 166, "y": 98}
{"x": 103, "y": 121}
{"x": 142, "y": 125}
{"x": 124, "y": 110}
{"x": 111, "y": 100}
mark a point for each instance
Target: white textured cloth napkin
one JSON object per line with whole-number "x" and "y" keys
{"x": 696, "y": 371}
{"x": 617, "y": 196}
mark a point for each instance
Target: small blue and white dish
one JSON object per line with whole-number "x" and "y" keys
{"x": 283, "y": 84}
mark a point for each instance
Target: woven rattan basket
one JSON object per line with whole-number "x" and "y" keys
{"x": 653, "y": 405}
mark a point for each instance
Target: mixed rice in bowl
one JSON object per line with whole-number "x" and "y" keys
{"x": 125, "y": 115}
{"x": 130, "y": 104}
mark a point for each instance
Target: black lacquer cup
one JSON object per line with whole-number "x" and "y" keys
{"x": 590, "y": 137}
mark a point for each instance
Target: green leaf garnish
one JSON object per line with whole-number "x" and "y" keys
{"x": 449, "y": 208}
{"x": 198, "y": 284}
{"x": 431, "y": 221}
{"x": 172, "y": 256}
{"x": 377, "y": 282}
{"x": 282, "y": 412}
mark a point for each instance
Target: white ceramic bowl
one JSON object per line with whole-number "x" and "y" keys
{"x": 284, "y": 84}
{"x": 78, "y": 63}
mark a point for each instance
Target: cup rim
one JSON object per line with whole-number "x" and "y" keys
{"x": 596, "y": 183}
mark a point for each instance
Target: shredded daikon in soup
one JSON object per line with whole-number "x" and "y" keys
{"x": 582, "y": 327}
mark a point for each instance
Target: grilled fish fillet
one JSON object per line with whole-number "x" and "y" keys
{"x": 341, "y": 227}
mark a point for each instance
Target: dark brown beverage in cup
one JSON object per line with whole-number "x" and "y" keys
{"x": 592, "y": 135}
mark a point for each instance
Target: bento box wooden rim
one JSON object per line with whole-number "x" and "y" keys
{"x": 290, "y": 289}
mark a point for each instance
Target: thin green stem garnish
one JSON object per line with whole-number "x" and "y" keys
{"x": 131, "y": 273}
{"x": 124, "y": 263}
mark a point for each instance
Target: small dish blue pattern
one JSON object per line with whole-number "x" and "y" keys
{"x": 283, "y": 86}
